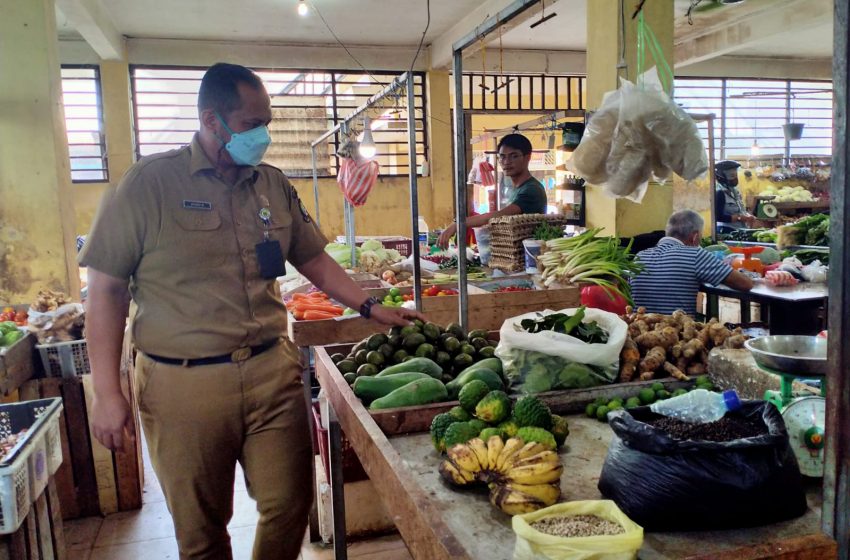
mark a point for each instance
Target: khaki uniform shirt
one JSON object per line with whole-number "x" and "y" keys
{"x": 185, "y": 240}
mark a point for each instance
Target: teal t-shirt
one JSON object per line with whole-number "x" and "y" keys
{"x": 530, "y": 197}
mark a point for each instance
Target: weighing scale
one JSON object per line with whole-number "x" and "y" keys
{"x": 797, "y": 357}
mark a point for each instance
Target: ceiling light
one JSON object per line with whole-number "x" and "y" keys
{"x": 367, "y": 145}
{"x": 755, "y": 150}
{"x": 303, "y": 10}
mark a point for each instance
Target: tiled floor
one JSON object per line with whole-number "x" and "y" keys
{"x": 148, "y": 534}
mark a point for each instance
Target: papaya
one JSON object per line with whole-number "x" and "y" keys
{"x": 422, "y": 365}
{"x": 415, "y": 393}
{"x": 488, "y": 376}
{"x": 371, "y": 388}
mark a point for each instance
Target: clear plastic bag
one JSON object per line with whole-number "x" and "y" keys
{"x": 550, "y": 360}
{"x": 534, "y": 545}
{"x": 638, "y": 133}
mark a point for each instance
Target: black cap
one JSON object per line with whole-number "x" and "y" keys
{"x": 726, "y": 165}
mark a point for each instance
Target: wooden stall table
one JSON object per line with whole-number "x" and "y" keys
{"x": 790, "y": 309}
{"x": 438, "y": 522}
{"x": 41, "y": 535}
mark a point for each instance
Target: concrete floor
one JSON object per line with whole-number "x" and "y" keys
{"x": 148, "y": 534}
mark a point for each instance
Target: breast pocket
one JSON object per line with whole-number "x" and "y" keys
{"x": 280, "y": 229}
{"x": 199, "y": 239}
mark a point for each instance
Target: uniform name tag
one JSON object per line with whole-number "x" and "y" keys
{"x": 197, "y": 205}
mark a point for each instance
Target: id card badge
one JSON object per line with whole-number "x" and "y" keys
{"x": 270, "y": 259}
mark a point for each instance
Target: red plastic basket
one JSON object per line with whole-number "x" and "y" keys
{"x": 352, "y": 470}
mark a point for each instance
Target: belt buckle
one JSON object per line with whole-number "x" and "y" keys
{"x": 240, "y": 354}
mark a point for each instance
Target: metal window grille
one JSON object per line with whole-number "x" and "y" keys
{"x": 753, "y": 111}
{"x": 305, "y": 103}
{"x": 523, "y": 92}
{"x": 84, "y": 123}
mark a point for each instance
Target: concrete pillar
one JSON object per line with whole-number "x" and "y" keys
{"x": 37, "y": 235}
{"x": 621, "y": 217}
{"x": 440, "y": 148}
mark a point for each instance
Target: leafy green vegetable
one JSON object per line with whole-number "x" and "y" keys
{"x": 563, "y": 323}
{"x": 545, "y": 232}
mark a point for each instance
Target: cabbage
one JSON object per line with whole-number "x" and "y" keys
{"x": 393, "y": 255}
{"x": 371, "y": 245}
{"x": 769, "y": 256}
{"x": 341, "y": 253}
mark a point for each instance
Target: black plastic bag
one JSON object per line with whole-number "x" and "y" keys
{"x": 667, "y": 484}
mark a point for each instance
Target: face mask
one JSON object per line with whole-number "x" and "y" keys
{"x": 247, "y": 148}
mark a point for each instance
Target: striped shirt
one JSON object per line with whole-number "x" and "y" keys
{"x": 672, "y": 276}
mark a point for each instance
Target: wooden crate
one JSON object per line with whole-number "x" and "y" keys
{"x": 17, "y": 364}
{"x": 413, "y": 419}
{"x": 486, "y": 311}
{"x": 92, "y": 480}
{"x": 40, "y": 536}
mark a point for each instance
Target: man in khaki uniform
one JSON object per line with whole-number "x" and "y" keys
{"x": 196, "y": 236}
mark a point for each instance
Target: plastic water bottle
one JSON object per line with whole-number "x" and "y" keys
{"x": 423, "y": 236}
{"x": 698, "y": 406}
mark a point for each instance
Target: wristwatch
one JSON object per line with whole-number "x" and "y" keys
{"x": 366, "y": 307}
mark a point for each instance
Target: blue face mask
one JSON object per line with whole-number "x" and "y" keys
{"x": 247, "y": 148}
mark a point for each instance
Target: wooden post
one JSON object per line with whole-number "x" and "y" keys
{"x": 836, "y": 481}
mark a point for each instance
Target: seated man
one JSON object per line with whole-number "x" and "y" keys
{"x": 676, "y": 267}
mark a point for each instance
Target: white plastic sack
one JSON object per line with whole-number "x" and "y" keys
{"x": 815, "y": 272}
{"x": 638, "y": 133}
{"x": 549, "y": 360}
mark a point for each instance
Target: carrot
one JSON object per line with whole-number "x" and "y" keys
{"x": 299, "y": 315}
{"x": 333, "y": 309}
{"x": 315, "y": 315}
{"x": 299, "y": 296}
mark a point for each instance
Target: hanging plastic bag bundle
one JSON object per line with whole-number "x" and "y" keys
{"x": 356, "y": 178}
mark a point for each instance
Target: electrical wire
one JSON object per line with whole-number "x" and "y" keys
{"x": 422, "y": 40}
{"x": 341, "y": 44}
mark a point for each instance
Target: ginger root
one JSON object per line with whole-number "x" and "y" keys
{"x": 735, "y": 341}
{"x": 653, "y": 360}
{"x": 629, "y": 360}
{"x": 675, "y": 372}
{"x": 696, "y": 369}
{"x": 665, "y": 338}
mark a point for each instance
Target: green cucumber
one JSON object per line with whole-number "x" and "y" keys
{"x": 371, "y": 388}
{"x": 415, "y": 393}
{"x": 422, "y": 365}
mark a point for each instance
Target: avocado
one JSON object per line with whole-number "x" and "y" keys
{"x": 376, "y": 340}
{"x": 347, "y": 366}
{"x": 486, "y": 352}
{"x": 412, "y": 341}
{"x": 426, "y": 351}
{"x": 467, "y": 349}
{"x": 419, "y": 323}
{"x": 478, "y": 333}
{"x": 337, "y": 358}
{"x": 367, "y": 370}
{"x": 491, "y": 342}
{"x": 360, "y": 357}
{"x": 387, "y": 350}
{"x": 350, "y": 377}
{"x": 359, "y": 346}
{"x": 408, "y": 330}
{"x": 443, "y": 359}
{"x": 478, "y": 343}
{"x": 456, "y": 330}
{"x": 375, "y": 358}
{"x": 394, "y": 331}
{"x": 395, "y": 340}
{"x": 399, "y": 356}
{"x": 462, "y": 361}
{"x": 451, "y": 345}
{"x": 431, "y": 332}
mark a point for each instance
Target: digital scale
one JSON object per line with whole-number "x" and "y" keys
{"x": 765, "y": 209}
{"x": 797, "y": 357}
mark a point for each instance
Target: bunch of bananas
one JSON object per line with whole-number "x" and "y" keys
{"x": 523, "y": 477}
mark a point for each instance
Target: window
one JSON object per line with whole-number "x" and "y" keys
{"x": 753, "y": 112}
{"x": 84, "y": 123}
{"x": 523, "y": 92}
{"x": 305, "y": 104}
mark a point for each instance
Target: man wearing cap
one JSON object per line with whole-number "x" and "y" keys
{"x": 729, "y": 207}
{"x": 197, "y": 237}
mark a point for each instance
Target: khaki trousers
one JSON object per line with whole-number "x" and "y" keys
{"x": 199, "y": 421}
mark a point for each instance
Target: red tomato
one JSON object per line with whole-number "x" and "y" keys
{"x": 5, "y": 317}
{"x": 596, "y": 297}
{"x": 21, "y": 316}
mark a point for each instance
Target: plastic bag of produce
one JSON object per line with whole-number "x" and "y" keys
{"x": 669, "y": 484}
{"x": 547, "y": 360}
{"x": 532, "y": 544}
{"x": 356, "y": 178}
{"x": 638, "y": 133}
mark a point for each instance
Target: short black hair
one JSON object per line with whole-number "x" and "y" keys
{"x": 517, "y": 142}
{"x": 220, "y": 87}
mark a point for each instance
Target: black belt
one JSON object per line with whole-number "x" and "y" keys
{"x": 238, "y": 355}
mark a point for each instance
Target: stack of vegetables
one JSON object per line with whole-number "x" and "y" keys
{"x": 511, "y": 449}
{"x": 674, "y": 345}
{"x": 17, "y": 317}
{"x": 419, "y": 364}
{"x": 811, "y": 230}
{"x": 313, "y": 306}
{"x": 371, "y": 256}
{"x": 586, "y": 258}
{"x": 9, "y": 334}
